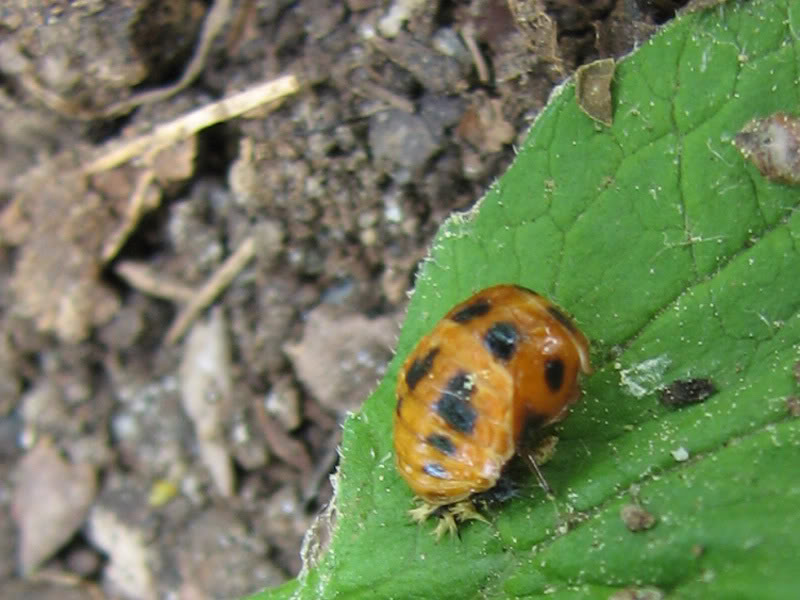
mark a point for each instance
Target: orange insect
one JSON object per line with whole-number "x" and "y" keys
{"x": 497, "y": 366}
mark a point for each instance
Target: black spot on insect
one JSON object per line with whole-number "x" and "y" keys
{"x": 501, "y": 339}
{"x": 435, "y": 470}
{"x": 683, "y": 392}
{"x": 472, "y": 311}
{"x": 453, "y": 405}
{"x": 442, "y": 443}
{"x": 399, "y": 404}
{"x": 562, "y": 318}
{"x": 554, "y": 373}
{"x": 420, "y": 368}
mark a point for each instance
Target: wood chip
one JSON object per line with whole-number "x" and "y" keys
{"x": 212, "y": 288}
{"x": 190, "y": 123}
{"x": 285, "y": 447}
{"x": 141, "y": 277}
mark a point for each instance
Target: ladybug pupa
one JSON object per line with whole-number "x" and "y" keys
{"x": 499, "y": 365}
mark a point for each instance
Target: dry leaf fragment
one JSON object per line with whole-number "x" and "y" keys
{"x": 636, "y": 518}
{"x": 593, "y": 89}
{"x": 772, "y": 144}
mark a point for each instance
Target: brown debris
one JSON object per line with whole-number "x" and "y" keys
{"x": 285, "y": 447}
{"x": 793, "y": 406}
{"x": 683, "y": 392}
{"x": 10, "y": 381}
{"x": 636, "y": 518}
{"x": 772, "y": 144}
{"x": 538, "y": 27}
{"x": 283, "y": 403}
{"x": 484, "y": 126}
{"x": 625, "y": 28}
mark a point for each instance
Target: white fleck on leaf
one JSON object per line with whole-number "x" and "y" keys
{"x": 645, "y": 377}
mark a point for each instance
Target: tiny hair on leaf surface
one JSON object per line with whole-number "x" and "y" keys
{"x": 669, "y": 250}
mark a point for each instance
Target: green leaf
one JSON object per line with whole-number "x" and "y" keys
{"x": 678, "y": 260}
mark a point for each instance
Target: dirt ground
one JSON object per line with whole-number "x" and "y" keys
{"x": 186, "y": 324}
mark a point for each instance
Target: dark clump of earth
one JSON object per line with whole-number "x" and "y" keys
{"x": 139, "y": 459}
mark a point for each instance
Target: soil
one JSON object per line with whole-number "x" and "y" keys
{"x": 139, "y": 458}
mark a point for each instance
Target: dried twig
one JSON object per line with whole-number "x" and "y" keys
{"x": 211, "y": 289}
{"x": 215, "y": 20}
{"x": 66, "y": 579}
{"x": 368, "y": 89}
{"x": 141, "y": 277}
{"x": 244, "y": 19}
{"x": 468, "y": 35}
{"x": 285, "y": 447}
{"x": 190, "y": 123}
{"x": 144, "y": 196}
{"x": 140, "y": 202}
